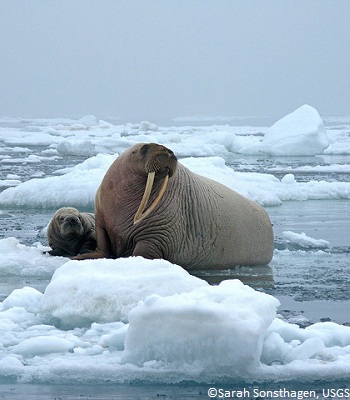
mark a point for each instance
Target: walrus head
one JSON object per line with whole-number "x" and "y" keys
{"x": 68, "y": 221}
{"x": 159, "y": 162}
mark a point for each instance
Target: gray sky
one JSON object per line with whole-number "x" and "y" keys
{"x": 167, "y": 58}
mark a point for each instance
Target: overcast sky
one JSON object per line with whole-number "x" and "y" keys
{"x": 168, "y": 58}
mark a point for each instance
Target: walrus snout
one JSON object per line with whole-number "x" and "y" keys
{"x": 160, "y": 162}
{"x": 71, "y": 224}
{"x": 71, "y": 219}
{"x": 159, "y": 159}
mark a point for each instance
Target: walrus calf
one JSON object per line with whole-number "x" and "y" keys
{"x": 191, "y": 220}
{"x": 71, "y": 233}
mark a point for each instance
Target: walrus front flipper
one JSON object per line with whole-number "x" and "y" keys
{"x": 89, "y": 246}
{"x": 58, "y": 252}
{"x": 103, "y": 250}
{"x": 147, "y": 249}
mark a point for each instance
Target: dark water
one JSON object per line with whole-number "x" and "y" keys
{"x": 315, "y": 390}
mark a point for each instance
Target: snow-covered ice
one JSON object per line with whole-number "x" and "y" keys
{"x": 303, "y": 240}
{"x": 120, "y": 285}
{"x": 220, "y": 327}
{"x": 81, "y": 182}
{"x": 301, "y": 133}
{"x": 151, "y": 320}
{"x": 202, "y": 149}
{"x": 18, "y": 259}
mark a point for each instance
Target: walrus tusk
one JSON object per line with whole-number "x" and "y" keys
{"x": 145, "y": 198}
{"x": 140, "y": 214}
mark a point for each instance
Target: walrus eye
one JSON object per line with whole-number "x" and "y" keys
{"x": 144, "y": 149}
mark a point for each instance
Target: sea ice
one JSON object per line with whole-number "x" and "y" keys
{"x": 176, "y": 327}
{"x": 82, "y": 181}
{"x": 82, "y": 292}
{"x": 303, "y": 240}
{"x": 42, "y": 345}
{"x": 322, "y": 347}
{"x": 220, "y": 327}
{"x": 301, "y": 133}
{"x": 18, "y": 259}
{"x": 27, "y": 297}
{"x": 80, "y": 187}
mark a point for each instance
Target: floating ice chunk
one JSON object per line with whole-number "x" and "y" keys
{"x": 333, "y": 168}
{"x": 323, "y": 348}
{"x": 89, "y": 120}
{"x": 76, "y": 148}
{"x": 79, "y": 186}
{"x": 64, "y": 123}
{"x": 10, "y": 366}
{"x": 27, "y": 297}
{"x": 332, "y": 334}
{"x": 116, "y": 337}
{"x": 288, "y": 179}
{"x": 18, "y": 259}
{"x": 216, "y": 326}
{"x": 43, "y": 345}
{"x": 341, "y": 147}
{"x": 78, "y": 191}
{"x": 148, "y": 126}
{"x": 303, "y": 240}
{"x": 301, "y": 133}
{"x": 82, "y": 181}
{"x": 6, "y": 183}
{"x": 19, "y": 315}
{"x": 82, "y": 292}
{"x": 276, "y": 350}
{"x": 31, "y": 159}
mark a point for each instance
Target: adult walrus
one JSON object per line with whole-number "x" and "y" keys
{"x": 191, "y": 220}
{"x": 71, "y": 232}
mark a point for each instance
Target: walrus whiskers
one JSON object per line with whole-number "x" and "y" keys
{"x": 140, "y": 214}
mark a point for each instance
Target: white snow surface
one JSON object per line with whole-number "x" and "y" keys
{"x": 120, "y": 284}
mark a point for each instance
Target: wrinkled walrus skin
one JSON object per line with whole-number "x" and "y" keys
{"x": 71, "y": 232}
{"x": 198, "y": 223}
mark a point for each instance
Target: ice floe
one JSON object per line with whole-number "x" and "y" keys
{"x": 81, "y": 182}
{"x": 303, "y": 240}
{"x": 136, "y": 319}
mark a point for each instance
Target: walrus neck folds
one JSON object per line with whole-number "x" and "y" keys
{"x": 141, "y": 213}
